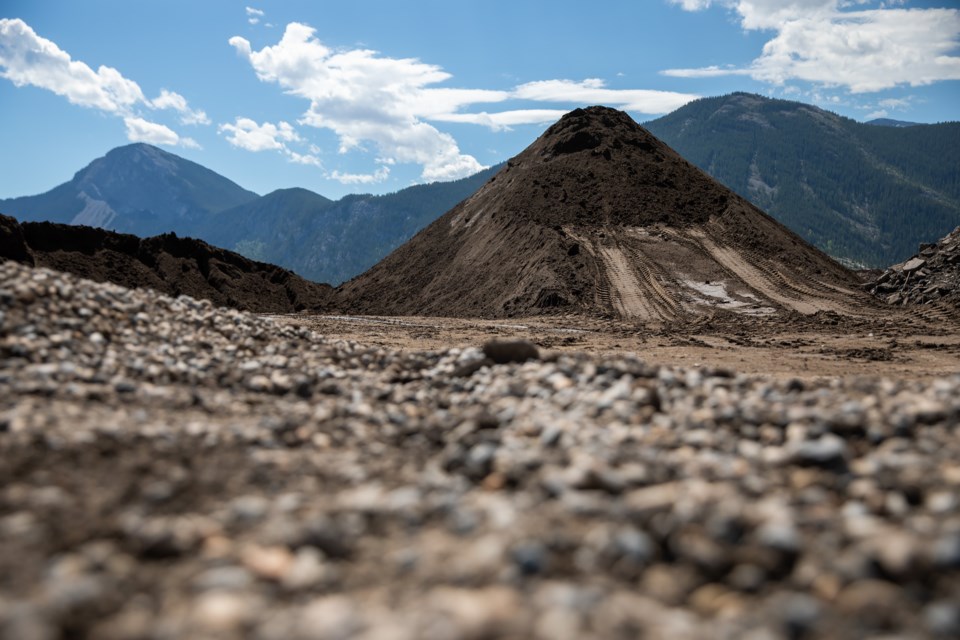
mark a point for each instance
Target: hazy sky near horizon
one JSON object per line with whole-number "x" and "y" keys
{"x": 375, "y": 95}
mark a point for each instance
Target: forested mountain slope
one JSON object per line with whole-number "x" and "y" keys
{"x": 865, "y": 194}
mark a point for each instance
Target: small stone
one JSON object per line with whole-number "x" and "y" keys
{"x": 531, "y": 558}
{"x": 828, "y": 451}
{"x": 798, "y": 613}
{"x": 946, "y": 552}
{"x": 913, "y": 264}
{"x": 747, "y": 577}
{"x": 942, "y": 619}
{"x": 228, "y": 578}
{"x": 876, "y": 603}
{"x": 507, "y": 351}
{"x": 270, "y": 563}
{"x": 225, "y": 612}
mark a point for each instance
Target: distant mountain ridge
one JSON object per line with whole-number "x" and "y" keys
{"x": 329, "y": 241}
{"x": 145, "y": 191}
{"x": 865, "y": 194}
{"x": 136, "y": 189}
{"x": 868, "y": 195}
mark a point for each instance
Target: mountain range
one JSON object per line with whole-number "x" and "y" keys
{"x": 142, "y": 190}
{"x": 865, "y": 194}
{"x": 868, "y": 195}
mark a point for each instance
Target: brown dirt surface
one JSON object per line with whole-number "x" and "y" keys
{"x": 168, "y": 264}
{"x": 599, "y": 217}
{"x": 908, "y": 344}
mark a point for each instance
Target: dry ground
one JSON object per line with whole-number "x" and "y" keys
{"x": 905, "y": 345}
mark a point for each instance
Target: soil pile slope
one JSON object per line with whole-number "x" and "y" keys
{"x": 931, "y": 276}
{"x": 168, "y": 264}
{"x": 598, "y": 216}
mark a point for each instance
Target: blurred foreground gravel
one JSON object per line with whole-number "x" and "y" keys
{"x": 172, "y": 470}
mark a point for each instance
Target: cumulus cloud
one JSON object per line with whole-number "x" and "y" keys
{"x": 140, "y": 130}
{"x": 247, "y": 134}
{"x": 836, "y": 43}
{"x": 28, "y": 59}
{"x": 175, "y": 101}
{"x": 390, "y": 103}
{"x": 363, "y": 97}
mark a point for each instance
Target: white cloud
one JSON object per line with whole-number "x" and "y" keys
{"x": 140, "y": 130}
{"x": 379, "y": 175}
{"x": 594, "y": 91}
{"x": 254, "y": 15}
{"x": 502, "y": 120}
{"x": 896, "y": 103}
{"x": 304, "y": 158}
{"x": 865, "y": 51}
{"x": 363, "y": 97}
{"x": 247, "y": 134}
{"x": 692, "y": 5}
{"x": 389, "y": 103}
{"x": 873, "y": 115}
{"x": 28, "y": 59}
{"x": 833, "y": 44}
{"x": 713, "y": 71}
{"x": 175, "y": 101}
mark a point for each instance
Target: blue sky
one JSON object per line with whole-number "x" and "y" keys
{"x": 372, "y": 96}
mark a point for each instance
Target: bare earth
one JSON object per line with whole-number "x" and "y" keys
{"x": 902, "y": 346}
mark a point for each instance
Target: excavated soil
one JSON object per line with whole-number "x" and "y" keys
{"x": 168, "y": 264}
{"x": 915, "y": 343}
{"x": 600, "y": 218}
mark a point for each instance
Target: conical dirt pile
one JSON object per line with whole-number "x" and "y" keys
{"x": 598, "y": 216}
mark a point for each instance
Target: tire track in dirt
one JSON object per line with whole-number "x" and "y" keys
{"x": 666, "y": 304}
{"x": 756, "y": 278}
{"x": 629, "y": 300}
{"x": 819, "y": 295}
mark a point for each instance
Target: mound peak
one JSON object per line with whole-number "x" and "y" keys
{"x": 599, "y": 216}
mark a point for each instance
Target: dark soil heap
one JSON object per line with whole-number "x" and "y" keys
{"x": 931, "y": 276}
{"x": 598, "y": 216}
{"x": 168, "y": 264}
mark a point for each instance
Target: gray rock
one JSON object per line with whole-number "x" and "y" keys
{"x": 507, "y": 351}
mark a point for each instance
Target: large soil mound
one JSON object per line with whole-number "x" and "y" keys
{"x": 598, "y": 216}
{"x": 168, "y": 264}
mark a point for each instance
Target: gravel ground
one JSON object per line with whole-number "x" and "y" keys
{"x": 173, "y": 470}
